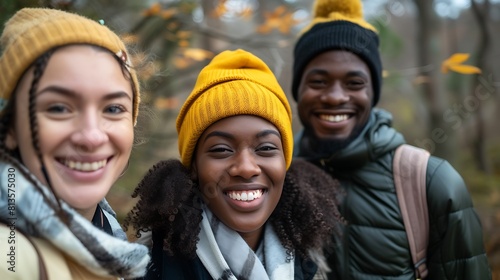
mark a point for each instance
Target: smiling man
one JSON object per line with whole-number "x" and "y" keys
{"x": 337, "y": 78}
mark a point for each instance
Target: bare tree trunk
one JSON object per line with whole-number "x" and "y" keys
{"x": 478, "y": 150}
{"x": 439, "y": 139}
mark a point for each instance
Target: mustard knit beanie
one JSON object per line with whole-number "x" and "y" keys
{"x": 33, "y": 31}
{"x": 233, "y": 83}
{"x": 338, "y": 25}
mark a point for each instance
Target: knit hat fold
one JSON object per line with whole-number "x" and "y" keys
{"x": 33, "y": 31}
{"x": 233, "y": 83}
{"x": 338, "y": 25}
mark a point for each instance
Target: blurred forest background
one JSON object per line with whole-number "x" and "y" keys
{"x": 431, "y": 51}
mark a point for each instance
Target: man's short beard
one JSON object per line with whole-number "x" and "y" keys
{"x": 327, "y": 147}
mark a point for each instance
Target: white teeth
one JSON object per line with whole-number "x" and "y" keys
{"x": 85, "y": 166}
{"x": 245, "y": 195}
{"x": 334, "y": 118}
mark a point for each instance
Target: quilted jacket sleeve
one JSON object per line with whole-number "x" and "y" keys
{"x": 456, "y": 248}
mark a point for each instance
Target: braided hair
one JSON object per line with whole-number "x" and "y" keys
{"x": 13, "y": 157}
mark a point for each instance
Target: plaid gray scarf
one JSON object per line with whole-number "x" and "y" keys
{"x": 226, "y": 255}
{"x": 99, "y": 252}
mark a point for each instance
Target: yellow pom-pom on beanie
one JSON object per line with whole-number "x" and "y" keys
{"x": 348, "y": 10}
{"x": 33, "y": 31}
{"x": 233, "y": 83}
{"x": 338, "y": 25}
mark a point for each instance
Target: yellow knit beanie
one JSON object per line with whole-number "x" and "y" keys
{"x": 233, "y": 83}
{"x": 33, "y": 31}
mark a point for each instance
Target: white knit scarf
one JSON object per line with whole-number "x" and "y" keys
{"x": 226, "y": 255}
{"x": 99, "y": 252}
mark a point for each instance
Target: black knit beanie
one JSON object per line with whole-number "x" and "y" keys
{"x": 338, "y": 25}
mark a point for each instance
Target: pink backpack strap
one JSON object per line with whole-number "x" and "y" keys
{"x": 410, "y": 168}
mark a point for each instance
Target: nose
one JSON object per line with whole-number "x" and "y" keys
{"x": 245, "y": 165}
{"x": 335, "y": 95}
{"x": 89, "y": 132}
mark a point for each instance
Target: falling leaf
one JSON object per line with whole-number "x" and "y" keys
{"x": 454, "y": 63}
{"x": 465, "y": 69}
{"x": 458, "y": 58}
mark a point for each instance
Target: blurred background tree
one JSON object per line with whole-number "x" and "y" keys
{"x": 441, "y": 74}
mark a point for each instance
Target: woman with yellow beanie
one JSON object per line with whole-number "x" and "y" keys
{"x": 68, "y": 105}
{"x": 235, "y": 206}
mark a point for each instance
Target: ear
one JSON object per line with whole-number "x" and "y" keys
{"x": 11, "y": 140}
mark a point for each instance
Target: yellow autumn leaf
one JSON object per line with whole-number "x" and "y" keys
{"x": 197, "y": 54}
{"x": 183, "y": 43}
{"x": 184, "y": 34}
{"x": 457, "y": 58}
{"x": 168, "y": 13}
{"x": 220, "y": 9}
{"x": 247, "y": 13}
{"x": 153, "y": 10}
{"x": 454, "y": 63}
{"x": 465, "y": 69}
{"x": 280, "y": 10}
{"x": 264, "y": 29}
{"x": 280, "y": 19}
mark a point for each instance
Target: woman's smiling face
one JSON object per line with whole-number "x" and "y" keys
{"x": 85, "y": 128}
{"x": 241, "y": 169}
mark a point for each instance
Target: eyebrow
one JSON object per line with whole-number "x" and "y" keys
{"x": 349, "y": 74}
{"x": 231, "y": 136}
{"x": 73, "y": 94}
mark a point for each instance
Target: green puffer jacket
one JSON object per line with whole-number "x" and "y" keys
{"x": 374, "y": 244}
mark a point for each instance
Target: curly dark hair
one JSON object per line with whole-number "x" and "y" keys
{"x": 305, "y": 218}
{"x": 168, "y": 202}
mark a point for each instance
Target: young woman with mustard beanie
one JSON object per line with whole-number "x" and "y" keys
{"x": 68, "y": 105}
{"x": 235, "y": 206}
